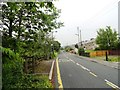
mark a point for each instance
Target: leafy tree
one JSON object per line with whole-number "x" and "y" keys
{"x": 12, "y": 67}
{"x": 56, "y": 46}
{"x": 107, "y": 38}
{"x": 24, "y": 20}
{"x": 25, "y": 26}
{"x": 68, "y": 48}
{"x": 118, "y": 45}
{"x": 76, "y": 45}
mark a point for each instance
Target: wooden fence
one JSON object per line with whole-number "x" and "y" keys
{"x": 114, "y": 52}
{"x": 103, "y": 52}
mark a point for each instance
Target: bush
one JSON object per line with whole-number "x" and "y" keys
{"x": 13, "y": 76}
{"x": 36, "y": 81}
{"x": 97, "y": 48}
{"x": 81, "y": 51}
{"x": 12, "y": 68}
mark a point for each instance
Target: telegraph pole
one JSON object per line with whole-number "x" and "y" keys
{"x": 80, "y": 38}
{"x": 78, "y": 35}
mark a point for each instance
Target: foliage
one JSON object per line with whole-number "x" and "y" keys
{"x": 25, "y": 29}
{"x": 68, "y": 48}
{"x": 118, "y": 45}
{"x": 89, "y": 51}
{"x": 36, "y": 81}
{"x": 12, "y": 66}
{"x": 81, "y": 51}
{"x": 107, "y": 39}
{"x": 111, "y": 58}
{"x": 97, "y": 48}
{"x": 56, "y": 46}
{"x": 114, "y": 59}
{"x": 26, "y": 25}
{"x": 76, "y": 45}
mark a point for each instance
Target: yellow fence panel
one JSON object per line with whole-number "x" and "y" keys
{"x": 98, "y": 53}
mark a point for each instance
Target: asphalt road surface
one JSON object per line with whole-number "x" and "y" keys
{"x": 80, "y": 73}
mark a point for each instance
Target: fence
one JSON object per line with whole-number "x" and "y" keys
{"x": 114, "y": 52}
{"x": 98, "y": 53}
{"x": 102, "y": 53}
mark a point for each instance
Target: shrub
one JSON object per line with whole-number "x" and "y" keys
{"x": 12, "y": 68}
{"x": 13, "y": 76}
{"x": 81, "y": 51}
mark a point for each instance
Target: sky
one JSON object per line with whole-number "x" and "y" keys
{"x": 88, "y": 15}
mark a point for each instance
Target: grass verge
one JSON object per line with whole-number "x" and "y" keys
{"x": 41, "y": 81}
{"x": 110, "y": 58}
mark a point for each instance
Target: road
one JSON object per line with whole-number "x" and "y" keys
{"x": 80, "y": 73}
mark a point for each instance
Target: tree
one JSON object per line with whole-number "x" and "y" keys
{"x": 56, "y": 46}
{"x": 76, "y": 45}
{"x": 107, "y": 38}
{"x": 25, "y": 25}
{"x": 118, "y": 46}
{"x": 22, "y": 22}
{"x": 68, "y": 48}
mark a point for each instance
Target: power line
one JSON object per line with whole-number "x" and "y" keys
{"x": 103, "y": 11}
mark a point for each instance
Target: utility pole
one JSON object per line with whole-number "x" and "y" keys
{"x": 78, "y": 35}
{"x": 80, "y": 38}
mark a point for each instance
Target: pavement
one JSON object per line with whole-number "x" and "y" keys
{"x": 82, "y": 72}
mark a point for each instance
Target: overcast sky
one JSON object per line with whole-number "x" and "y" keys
{"x": 88, "y": 15}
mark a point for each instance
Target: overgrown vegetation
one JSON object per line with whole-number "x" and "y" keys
{"x": 26, "y": 32}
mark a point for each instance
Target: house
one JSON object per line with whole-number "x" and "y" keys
{"x": 88, "y": 44}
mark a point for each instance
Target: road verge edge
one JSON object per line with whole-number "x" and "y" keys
{"x": 58, "y": 76}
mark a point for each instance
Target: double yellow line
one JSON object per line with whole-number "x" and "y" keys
{"x": 58, "y": 76}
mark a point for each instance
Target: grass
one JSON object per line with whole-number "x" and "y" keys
{"x": 89, "y": 51}
{"x": 43, "y": 67}
{"x": 56, "y": 54}
{"x": 110, "y": 58}
{"x": 41, "y": 81}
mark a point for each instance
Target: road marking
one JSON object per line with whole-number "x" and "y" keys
{"x": 83, "y": 67}
{"x": 58, "y": 75}
{"x": 111, "y": 84}
{"x": 71, "y": 60}
{"x": 77, "y": 63}
{"x": 68, "y": 60}
{"x": 93, "y": 74}
{"x": 87, "y": 69}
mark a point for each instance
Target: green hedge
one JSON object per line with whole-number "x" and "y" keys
{"x": 12, "y": 68}
{"x": 13, "y": 76}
